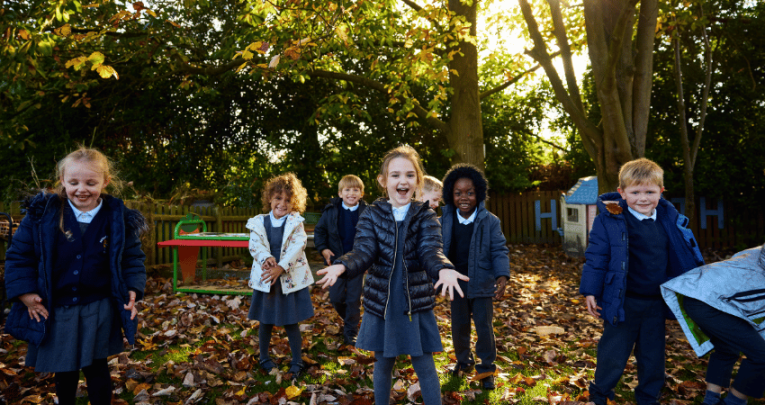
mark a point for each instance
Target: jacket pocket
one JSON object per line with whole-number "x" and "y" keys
{"x": 612, "y": 288}
{"x": 751, "y": 303}
{"x": 20, "y": 326}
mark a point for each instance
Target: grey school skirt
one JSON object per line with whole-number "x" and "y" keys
{"x": 77, "y": 335}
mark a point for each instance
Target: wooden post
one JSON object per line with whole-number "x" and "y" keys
{"x": 218, "y": 228}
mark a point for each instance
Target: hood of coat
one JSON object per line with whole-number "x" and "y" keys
{"x": 614, "y": 204}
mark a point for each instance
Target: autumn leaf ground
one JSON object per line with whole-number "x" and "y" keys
{"x": 199, "y": 348}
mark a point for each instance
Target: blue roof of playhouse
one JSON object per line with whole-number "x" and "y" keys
{"x": 585, "y": 191}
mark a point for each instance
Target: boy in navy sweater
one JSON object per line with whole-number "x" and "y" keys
{"x": 637, "y": 242}
{"x": 333, "y": 237}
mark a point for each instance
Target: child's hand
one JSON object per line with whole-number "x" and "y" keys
{"x": 501, "y": 284}
{"x": 269, "y": 263}
{"x": 131, "y": 305}
{"x": 327, "y": 256}
{"x": 448, "y": 279}
{"x": 592, "y": 306}
{"x": 330, "y": 275}
{"x": 271, "y": 275}
{"x": 34, "y": 306}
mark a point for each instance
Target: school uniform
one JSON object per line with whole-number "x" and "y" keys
{"x": 721, "y": 308}
{"x": 629, "y": 256}
{"x": 83, "y": 279}
{"x": 288, "y": 301}
{"x": 478, "y": 249}
{"x": 336, "y": 231}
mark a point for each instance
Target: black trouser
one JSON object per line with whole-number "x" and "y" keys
{"x": 481, "y": 310}
{"x": 731, "y": 336}
{"x": 345, "y": 296}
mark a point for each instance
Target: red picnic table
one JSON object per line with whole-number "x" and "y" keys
{"x": 191, "y": 234}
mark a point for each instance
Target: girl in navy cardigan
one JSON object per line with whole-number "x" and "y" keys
{"x": 74, "y": 271}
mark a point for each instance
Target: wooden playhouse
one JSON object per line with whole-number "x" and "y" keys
{"x": 579, "y": 210}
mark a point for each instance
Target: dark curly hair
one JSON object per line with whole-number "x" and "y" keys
{"x": 465, "y": 171}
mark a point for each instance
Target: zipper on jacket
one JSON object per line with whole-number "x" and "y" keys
{"x": 395, "y": 252}
{"x": 408, "y": 293}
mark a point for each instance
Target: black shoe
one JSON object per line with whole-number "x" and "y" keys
{"x": 267, "y": 365}
{"x": 488, "y": 383}
{"x": 297, "y": 370}
{"x": 349, "y": 340}
{"x": 462, "y": 367}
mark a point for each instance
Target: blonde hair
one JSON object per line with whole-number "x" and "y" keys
{"x": 350, "y": 181}
{"x": 288, "y": 184}
{"x": 406, "y": 152}
{"x": 97, "y": 162}
{"x": 640, "y": 171}
{"x": 431, "y": 183}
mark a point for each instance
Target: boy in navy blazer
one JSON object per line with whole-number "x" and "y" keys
{"x": 637, "y": 242}
{"x": 333, "y": 237}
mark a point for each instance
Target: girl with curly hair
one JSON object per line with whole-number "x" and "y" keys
{"x": 280, "y": 273}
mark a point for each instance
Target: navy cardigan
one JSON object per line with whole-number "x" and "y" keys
{"x": 29, "y": 261}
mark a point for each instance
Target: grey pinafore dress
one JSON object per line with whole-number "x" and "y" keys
{"x": 396, "y": 334}
{"x": 275, "y": 308}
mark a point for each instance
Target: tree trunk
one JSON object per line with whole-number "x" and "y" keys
{"x": 465, "y": 133}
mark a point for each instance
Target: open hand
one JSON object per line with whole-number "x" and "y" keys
{"x": 272, "y": 274}
{"x": 34, "y": 306}
{"x": 131, "y": 305}
{"x": 330, "y": 275}
{"x": 449, "y": 280}
{"x": 592, "y": 306}
{"x": 501, "y": 285}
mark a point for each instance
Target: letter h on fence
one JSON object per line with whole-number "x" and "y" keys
{"x": 704, "y": 212}
{"x": 538, "y": 215}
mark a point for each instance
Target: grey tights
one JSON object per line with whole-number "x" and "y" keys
{"x": 425, "y": 368}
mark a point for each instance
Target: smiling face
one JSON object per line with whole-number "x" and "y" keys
{"x": 642, "y": 198}
{"x": 280, "y": 204}
{"x": 433, "y": 196}
{"x": 351, "y": 195}
{"x": 464, "y": 196}
{"x": 83, "y": 185}
{"x": 400, "y": 181}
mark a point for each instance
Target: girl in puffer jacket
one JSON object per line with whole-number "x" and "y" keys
{"x": 399, "y": 241}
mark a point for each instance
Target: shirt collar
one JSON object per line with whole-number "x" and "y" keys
{"x": 86, "y": 217}
{"x": 351, "y": 209}
{"x": 400, "y": 213}
{"x": 640, "y": 216}
{"x": 469, "y": 219}
{"x": 277, "y": 222}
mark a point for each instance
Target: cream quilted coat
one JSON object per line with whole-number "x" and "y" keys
{"x": 297, "y": 274}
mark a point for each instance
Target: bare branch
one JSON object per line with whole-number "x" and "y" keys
{"x": 705, "y": 93}
{"x": 513, "y": 80}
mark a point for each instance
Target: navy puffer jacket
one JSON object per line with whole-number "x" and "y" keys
{"x": 375, "y": 247}
{"x": 604, "y": 275}
{"x": 29, "y": 260}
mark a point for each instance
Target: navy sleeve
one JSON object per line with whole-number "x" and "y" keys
{"x": 22, "y": 262}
